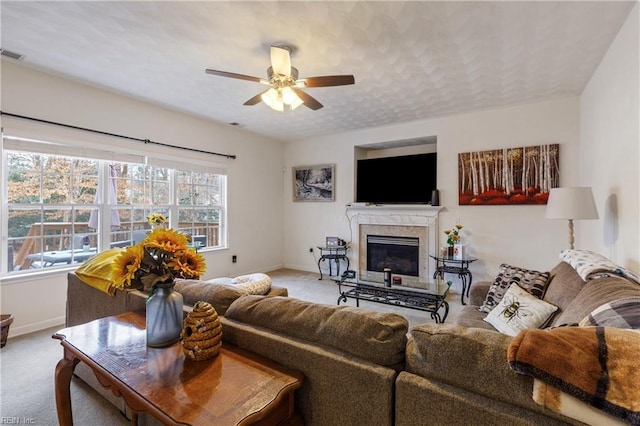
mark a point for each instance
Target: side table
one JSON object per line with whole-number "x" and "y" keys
{"x": 236, "y": 387}
{"x": 332, "y": 254}
{"x": 449, "y": 265}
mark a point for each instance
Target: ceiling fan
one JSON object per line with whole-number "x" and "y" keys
{"x": 284, "y": 91}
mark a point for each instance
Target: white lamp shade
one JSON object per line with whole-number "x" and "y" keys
{"x": 273, "y": 98}
{"x": 571, "y": 203}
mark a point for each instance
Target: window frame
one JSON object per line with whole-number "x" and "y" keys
{"x": 103, "y": 231}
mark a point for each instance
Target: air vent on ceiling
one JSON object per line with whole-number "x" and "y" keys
{"x": 9, "y": 54}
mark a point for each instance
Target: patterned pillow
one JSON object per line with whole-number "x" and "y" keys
{"x": 621, "y": 313}
{"x": 590, "y": 265}
{"x": 519, "y": 310}
{"x": 252, "y": 283}
{"x": 534, "y": 282}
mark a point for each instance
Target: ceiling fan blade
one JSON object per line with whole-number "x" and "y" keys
{"x": 234, "y": 75}
{"x": 281, "y": 60}
{"x": 328, "y": 80}
{"x": 256, "y": 99}
{"x": 309, "y": 101}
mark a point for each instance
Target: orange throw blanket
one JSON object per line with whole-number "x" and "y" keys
{"x": 597, "y": 365}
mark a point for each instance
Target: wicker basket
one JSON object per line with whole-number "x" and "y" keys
{"x": 5, "y": 322}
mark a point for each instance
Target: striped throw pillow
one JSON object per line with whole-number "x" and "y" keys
{"x": 621, "y": 313}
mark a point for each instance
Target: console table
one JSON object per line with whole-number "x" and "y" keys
{"x": 431, "y": 299}
{"x": 333, "y": 254}
{"x": 449, "y": 265}
{"x": 236, "y": 387}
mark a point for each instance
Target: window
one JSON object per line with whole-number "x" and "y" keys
{"x": 61, "y": 209}
{"x": 198, "y": 200}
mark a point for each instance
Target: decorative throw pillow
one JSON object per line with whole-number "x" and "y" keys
{"x": 519, "y": 310}
{"x": 621, "y": 313}
{"x": 96, "y": 271}
{"x": 534, "y": 282}
{"x": 590, "y": 265}
{"x": 252, "y": 283}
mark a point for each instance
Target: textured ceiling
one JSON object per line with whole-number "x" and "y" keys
{"x": 411, "y": 60}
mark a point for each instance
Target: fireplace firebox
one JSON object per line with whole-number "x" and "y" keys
{"x": 400, "y": 254}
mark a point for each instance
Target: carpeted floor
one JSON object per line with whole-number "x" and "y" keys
{"x": 27, "y": 363}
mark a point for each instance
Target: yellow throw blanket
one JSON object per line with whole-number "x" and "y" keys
{"x": 597, "y": 365}
{"x": 96, "y": 271}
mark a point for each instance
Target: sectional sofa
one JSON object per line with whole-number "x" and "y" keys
{"x": 363, "y": 367}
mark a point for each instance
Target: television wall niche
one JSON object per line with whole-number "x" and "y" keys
{"x": 408, "y": 179}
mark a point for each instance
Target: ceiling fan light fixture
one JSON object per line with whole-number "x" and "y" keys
{"x": 296, "y": 102}
{"x": 285, "y": 88}
{"x": 288, "y": 96}
{"x": 273, "y": 99}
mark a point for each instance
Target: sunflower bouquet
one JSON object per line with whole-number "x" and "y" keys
{"x": 157, "y": 219}
{"x": 161, "y": 257}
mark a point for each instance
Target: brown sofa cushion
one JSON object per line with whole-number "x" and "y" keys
{"x": 220, "y": 296}
{"x": 374, "y": 336}
{"x": 470, "y": 316}
{"x": 219, "y": 292}
{"x": 564, "y": 286}
{"x": 469, "y": 358}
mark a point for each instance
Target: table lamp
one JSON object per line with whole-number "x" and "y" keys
{"x": 571, "y": 203}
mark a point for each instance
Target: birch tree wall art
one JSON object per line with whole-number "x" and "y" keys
{"x": 508, "y": 176}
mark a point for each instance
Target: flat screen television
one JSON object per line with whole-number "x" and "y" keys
{"x": 408, "y": 179}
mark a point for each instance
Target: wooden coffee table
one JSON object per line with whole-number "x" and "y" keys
{"x": 235, "y": 388}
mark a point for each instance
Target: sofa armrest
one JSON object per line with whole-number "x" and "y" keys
{"x": 473, "y": 359}
{"x": 478, "y": 292}
{"x": 86, "y": 303}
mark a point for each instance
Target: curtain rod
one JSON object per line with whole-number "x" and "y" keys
{"x": 146, "y": 141}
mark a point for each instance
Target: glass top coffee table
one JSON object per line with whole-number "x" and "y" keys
{"x": 430, "y": 297}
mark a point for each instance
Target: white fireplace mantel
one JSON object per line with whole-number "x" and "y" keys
{"x": 422, "y": 216}
{"x": 391, "y": 213}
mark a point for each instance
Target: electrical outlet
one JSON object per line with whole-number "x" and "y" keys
{"x": 234, "y": 258}
{"x": 311, "y": 250}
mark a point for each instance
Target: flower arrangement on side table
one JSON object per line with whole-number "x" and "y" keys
{"x": 453, "y": 235}
{"x": 453, "y": 241}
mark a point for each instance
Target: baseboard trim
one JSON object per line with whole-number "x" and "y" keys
{"x": 301, "y": 268}
{"x": 30, "y": 328}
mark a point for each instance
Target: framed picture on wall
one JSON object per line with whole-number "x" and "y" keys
{"x": 314, "y": 183}
{"x": 523, "y": 175}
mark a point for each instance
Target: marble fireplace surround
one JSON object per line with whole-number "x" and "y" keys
{"x": 399, "y": 221}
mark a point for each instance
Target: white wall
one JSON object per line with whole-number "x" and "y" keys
{"x": 254, "y": 178}
{"x": 518, "y": 235}
{"x": 609, "y": 151}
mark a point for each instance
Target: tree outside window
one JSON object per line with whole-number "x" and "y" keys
{"x": 53, "y": 202}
